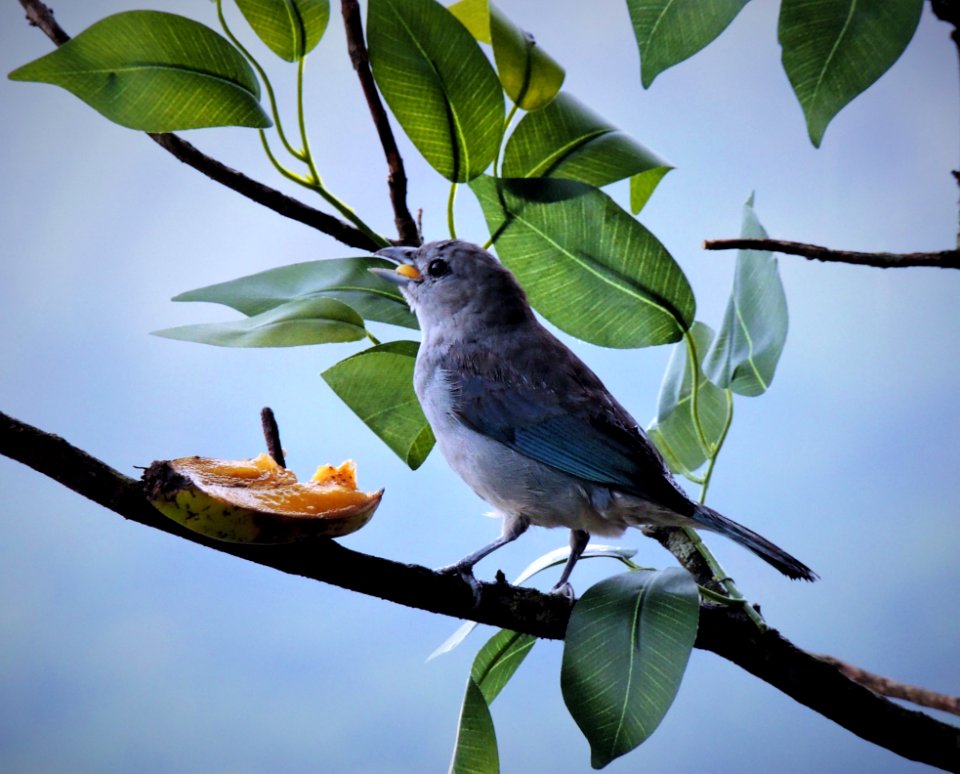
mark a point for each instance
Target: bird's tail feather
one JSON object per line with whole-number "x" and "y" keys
{"x": 788, "y": 565}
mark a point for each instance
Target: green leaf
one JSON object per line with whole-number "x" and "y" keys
{"x": 674, "y": 431}
{"x": 669, "y": 31}
{"x": 377, "y": 385}
{"x": 154, "y": 71}
{"x": 587, "y": 266}
{"x": 530, "y": 76}
{"x": 476, "y": 747}
{"x": 498, "y": 659}
{"x": 438, "y": 84}
{"x": 626, "y": 649}
{"x": 494, "y": 665}
{"x": 835, "y": 49}
{"x": 289, "y": 28}
{"x": 566, "y": 139}
{"x": 747, "y": 348}
{"x": 293, "y": 324}
{"x": 344, "y": 279}
{"x": 550, "y": 559}
{"x": 642, "y": 186}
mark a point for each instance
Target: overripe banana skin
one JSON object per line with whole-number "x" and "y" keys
{"x": 208, "y": 510}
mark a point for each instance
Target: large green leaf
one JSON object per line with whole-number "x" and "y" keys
{"x": 674, "y": 430}
{"x": 566, "y": 139}
{"x": 438, "y": 84}
{"x": 587, "y": 266}
{"x": 290, "y": 28}
{"x": 494, "y": 665}
{"x": 154, "y": 71}
{"x": 530, "y": 76}
{"x": 293, "y": 324}
{"x": 626, "y": 649}
{"x": 377, "y": 384}
{"x": 669, "y": 31}
{"x": 476, "y": 748}
{"x": 344, "y": 279}
{"x": 834, "y": 49}
{"x": 747, "y": 348}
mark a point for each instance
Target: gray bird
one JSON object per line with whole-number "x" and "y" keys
{"x": 526, "y": 424}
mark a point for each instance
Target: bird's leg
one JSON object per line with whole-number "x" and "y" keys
{"x": 578, "y": 541}
{"x": 513, "y": 527}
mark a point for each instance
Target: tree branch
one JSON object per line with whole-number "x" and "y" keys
{"x": 41, "y": 16}
{"x": 885, "y": 686}
{"x": 945, "y": 259}
{"x": 396, "y": 175}
{"x": 809, "y": 679}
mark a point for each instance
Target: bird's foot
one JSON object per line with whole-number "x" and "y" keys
{"x": 564, "y": 589}
{"x": 464, "y": 571}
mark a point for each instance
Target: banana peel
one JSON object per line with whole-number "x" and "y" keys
{"x": 257, "y": 500}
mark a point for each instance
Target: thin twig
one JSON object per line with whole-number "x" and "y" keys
{"x": 886, "y": 686}
{"x": 723, "y": 630}
{"x": 271, "y": 435}
{"x": 41, "y": 16}
{"x": 945, "y": 259}
{"x": 949, "y": 11}
{"x": 396, "y": 175}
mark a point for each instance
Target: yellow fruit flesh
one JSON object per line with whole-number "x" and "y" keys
{"x": 261, "y": 484}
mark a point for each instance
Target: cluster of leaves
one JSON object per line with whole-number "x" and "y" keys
{"x": 587, "y": 264}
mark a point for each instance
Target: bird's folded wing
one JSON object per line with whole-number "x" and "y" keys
{"x": 590, "y": 439}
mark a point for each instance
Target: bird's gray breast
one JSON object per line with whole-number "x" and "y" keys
{"x": 511, "y": 482}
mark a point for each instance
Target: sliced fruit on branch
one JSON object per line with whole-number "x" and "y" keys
{"x": 258, "y": 501}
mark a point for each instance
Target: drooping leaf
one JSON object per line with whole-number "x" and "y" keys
{"x": 493, "y": 666}
{"x": 566, "y": 139}
{"x": 642, "y": 186}
{"x": 377, "y": 385}
{"x": 438, "y": 84}
{"x": 344, "y": 279}
{"x": 626, "y": 649}
{"x": 475, "y": 751}
{"x": 498, "y": 659}
{"x": 669, "y": 31}
{"x": 530, "y": 76}
{"x": 745, "y": 353}
{"x": 293, "y": 324}
{"x": 674, "y": 430}
{"x": 551, "y": 559}
{"x": 835, "y": 49}
{"x": 154, "y": 71}
{"x": 289, "y": 28}
{"x": 586, "y": 264}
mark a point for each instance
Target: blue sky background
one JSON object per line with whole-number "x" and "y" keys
{"x": 125, "y": 649}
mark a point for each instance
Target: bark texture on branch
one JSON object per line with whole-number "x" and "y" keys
{"x": 808, "y": 679}
{"x": 944, "y": 259}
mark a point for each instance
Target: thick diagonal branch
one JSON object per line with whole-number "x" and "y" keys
{"x": 813, "y": 681}
{"x": 944, "y": 259}
{"x": 396, "y": 175}
{"x": 40, "y": 15}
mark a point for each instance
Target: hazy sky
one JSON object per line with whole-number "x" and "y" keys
{"x": 125, "y": 649}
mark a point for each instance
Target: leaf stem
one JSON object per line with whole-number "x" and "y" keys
{"x": 451, "y": 224}
{"x": 711, "y": 452}
{"x": 694, "y": 362}
{"x": 506, "y": 125}
{"x": 298, "y": 154}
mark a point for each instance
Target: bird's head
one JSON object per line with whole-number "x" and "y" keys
{"x": 453, "y": 281}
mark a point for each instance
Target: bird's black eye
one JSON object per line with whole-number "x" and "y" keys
{"x": 438, "y": 267}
